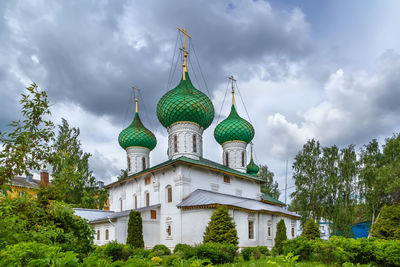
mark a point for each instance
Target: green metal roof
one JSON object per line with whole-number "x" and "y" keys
{"x": 252, "y": 168}
{"x": 202, "y": 163}
{"x": 268, "y": 198}
{"x": 185, "y": 103}
{"x": 234, "y": 128}
{"x": 137, "y": 135}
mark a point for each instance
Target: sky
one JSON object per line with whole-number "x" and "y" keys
{"x": 328, "y": 70}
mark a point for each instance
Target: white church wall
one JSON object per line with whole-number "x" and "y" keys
{"x": 102, "y": 227}
{"x": 194, "y": 223}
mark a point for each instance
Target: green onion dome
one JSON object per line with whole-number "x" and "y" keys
{"x": 185, "y": 103}
{"x": 137, "y": 135}
{"x": 252, "y": 168}
{"x": 234, "y": 128}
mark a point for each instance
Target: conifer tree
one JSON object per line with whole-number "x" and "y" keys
{"x": 280, "y": 236}
{"x": 221, "y": 228}
{"x": 135, "y": 230}
{"x": 311, "y": 230}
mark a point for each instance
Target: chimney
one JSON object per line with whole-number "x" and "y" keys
{"x": 44, "y": 178}
{"x": 29, "y": 178}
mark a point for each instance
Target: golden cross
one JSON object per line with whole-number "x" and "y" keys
{"x": 184, "y": 65}
{"x": 136, "y": 92}
{"x": 233, "y": 89}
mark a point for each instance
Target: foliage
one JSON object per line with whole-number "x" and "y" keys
{"x": 264, "y": 250}
{"x": 117, "y": 251}
{"x": 221, "y": 228}
{"x": 23, "y": 220}
{"x": 184, "y": 250}
{"x": 156, "y": 259}
{"x": 298, "y": 246}
{"x": 280, "y": 236}
{"x": 390, "y": 170}
{"x": 270, "y": 186}
{"x": 27, "y": 146}
{"x": 135, "y": 230}
{"x": 160, "y": 250}
{"x": 71, "y": 175}
{"x": 387, "y": 225}
{"x": 36, "y": 254}
{"x": 123, "y": 174}
{"x": 311, "y": 230}
{"x": 217, "y": 253}
{"x": 247, "y": 253}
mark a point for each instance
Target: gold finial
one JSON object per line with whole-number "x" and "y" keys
{"x": 185, "y": 53}
{"x": 233, "y": 89}
{"x": 136, "y": 92}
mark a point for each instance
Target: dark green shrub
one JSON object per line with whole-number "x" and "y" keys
{"x": 139, "y": 262}
{"x": 387, "y": 224}
{"x": 135, "y": 230}
{"x": 387, "y": 252}
{"x": 217, "y": 253}
{"x": 264, "y": 250}
{"x": 280, "y": 236}
{"x": 256, "y": 253}
{"x": 160, "y": 250}
{"x": 298, "y": 246}
{"x": 140, "y": 252}
{"x": 311, "y": 230}
{"x": 117, "y": 251}
{"x": 169, "y": 260}
{"x": 94, "y": 260}
{"x": 221, "y": 228}
{"x": 247, "y": 253}
{"x": 184, "y": 251}
{"x": 327, "y": 252}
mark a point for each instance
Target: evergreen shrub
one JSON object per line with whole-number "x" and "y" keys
{"x": 160, "y": 250}
{"x": 184, "y": 250}
{"x": 135, "y": 230}
{"x": 217, "y": 253}
{"x": 247, "y": 253}
{"x": 280, "y": 236}
{"x": 221, "y": 228}
{"x": 311, "y": 230}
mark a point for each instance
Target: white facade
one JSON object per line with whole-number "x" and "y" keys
{"x": 138, "y": 159}
{"x": 234, "y": 155}
{"x": 185, "y": 139}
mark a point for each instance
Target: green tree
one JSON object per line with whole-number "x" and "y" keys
{"x": 270, "y": 186}
{"x": 387, "y": 225}
{"x": 311, "y": 230}
{"x": 390, "y": 170}
{"x": 27, "y": 147}
{"x": 135, "y": 230}
{"x": 72, "y": 177}
{"x": 123, "y": 174}
{"x": 221, "y": 228}
{"x": 280, "y": 236}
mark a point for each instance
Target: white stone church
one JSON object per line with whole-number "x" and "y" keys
{"x": 177, "y": 197}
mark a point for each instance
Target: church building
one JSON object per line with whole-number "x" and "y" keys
{"x": 177, "y": 197}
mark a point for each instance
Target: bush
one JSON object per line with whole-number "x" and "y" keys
{"x": 217, "y": 253}
{"x": 328, "y": 252}
{"x": 311, "y": 230}
{"x": 140, "y": 252}
{"x": 264, "y": 250}
{"x": 36, "y": 254}
{"x": 387, "y": 224}
{"x": 280, "y": 236}
{"x": 117, "y": 251}
{"x": 169, "y": 260}
{"x": 135, "y": 230}
{"x": 256, "y": 253}
{"x": 221, "y": 228}
{"x": 160, "y": 250}
{"x": 184, "y": 250}
{"x": 247, "y": 252}
{"x": 387, "y": 253}
{"x": 298, "y": 246}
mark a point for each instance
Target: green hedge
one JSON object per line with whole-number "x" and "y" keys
{"x": 217, "y": 253}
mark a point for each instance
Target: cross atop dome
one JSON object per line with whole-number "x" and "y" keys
{"x": 185, "y": 53}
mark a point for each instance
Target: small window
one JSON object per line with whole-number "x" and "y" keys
{"x": 251, "y": 229}
{"x": 98, "y": 234}
{"x": 175, "y": 143}
{"x": 144, "y": 163}
{"x": 226, "y": 159}
{"x": 194, "y": 144}
{"x": 129, "y": 163}
{"x": 227, "y": 179}
{"x": 120, "y": 204}
{"x": 21, "y": 193}
{"x": 147, "y": 199}
{"x": 135, "y": 201}
{"x": 106, "y": 234}
{"x": 147, "y": 180}
{"x": 169, "y": 232}
{"x": 269, "y": 231}
{"x": 153, "y": 214}
{"x": 169, "y": 194}
{"x": 242, "y": 158}
{"x": 292, "y": 231}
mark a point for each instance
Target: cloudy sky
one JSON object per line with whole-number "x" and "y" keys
{"x": 328, "y": 70}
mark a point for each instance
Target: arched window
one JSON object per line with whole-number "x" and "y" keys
{"x": 106, "y": 234}
{"x": 175, "y": 143}
{"x": 226, "y": 159}
{"x": 98, "y": 234}
{"x": 169, "y": 194}
{"x": 144, "y": 162}
{"x": 147, "y": 199}
{"x": 129, "y": 163}
{"x": 242, "y": 158}
{"x": 194, "y": 144}
{"x": 135, "y": 201}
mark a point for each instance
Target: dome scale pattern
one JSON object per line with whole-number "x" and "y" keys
{"x": 252, "y": 168}
{"x": 185, "y": 103}
{"x": 234, "y": 128}
{"x": 137, "y": 135}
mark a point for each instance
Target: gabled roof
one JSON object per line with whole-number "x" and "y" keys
{"x": 268, "y": 198}
{"x": 202, "y": 163}
{"x": 207, "y": 199}
{"x": 24, "y": 182}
